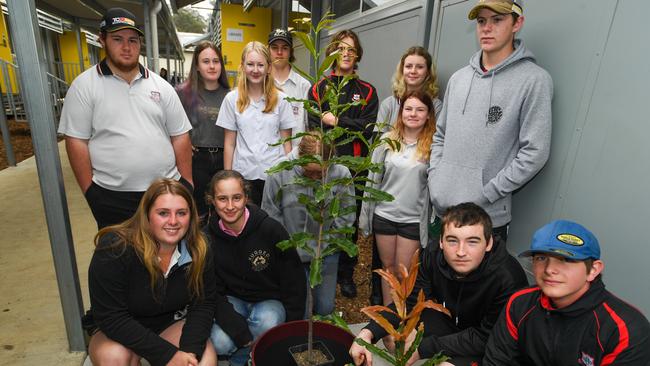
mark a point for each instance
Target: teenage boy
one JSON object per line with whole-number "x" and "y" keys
{"x": 494, "y": 131}
{"x": 471, "y": 275}
{"x": 569, "y": 318}
{"x": 357, "y": 118}
{"x": 124, "y": 126}
{"x": 286, "y": 79}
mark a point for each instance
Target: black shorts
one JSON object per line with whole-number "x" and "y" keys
{"x": 384, "y": 226}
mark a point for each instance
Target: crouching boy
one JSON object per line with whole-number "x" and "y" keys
{"x": 569, "y": 318}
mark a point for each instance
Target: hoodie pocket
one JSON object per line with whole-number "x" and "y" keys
{"x": 451, "y": 184}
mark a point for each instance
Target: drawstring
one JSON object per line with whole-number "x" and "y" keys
{"x": 471, "y": 82}
{"x": 459, "y": 298}
{"x": 487, "y": 114}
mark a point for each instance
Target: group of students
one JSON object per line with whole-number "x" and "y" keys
{"x": 195, "y": 272}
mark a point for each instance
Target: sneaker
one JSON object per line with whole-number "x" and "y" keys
{"x": 348, "y": 288}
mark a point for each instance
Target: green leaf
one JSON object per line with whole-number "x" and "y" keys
{"x": 304, "y": 74}
{"x": 346, "y": 245}
{"x": 327, "y": 63}
{"x": 414, "y": 346}
{"x": 326, "y": 21}
{"x": 376, "y": 350}
{"x": 334, "y": 319}
{"x": 315, "y": 277}
{"x": 335, "y": 207}
{"x": 307, "y": 42}
{"x": 374, "y": 194}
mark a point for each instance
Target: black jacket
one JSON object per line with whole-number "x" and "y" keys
{"x": 123, "y": 306}
{"x": 474, "y": 301}
{"x": 598, "y": 329}
{"x": 356, "y": 118}
{"x": 251, "y": 268}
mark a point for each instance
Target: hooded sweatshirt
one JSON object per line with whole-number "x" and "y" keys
{"x": 474, "y": 301}
{"x": 281, "y": 201}
{"x": 493, "y": 134}
{"x": 251, "y": 268}
{"x": 597, "y": 329}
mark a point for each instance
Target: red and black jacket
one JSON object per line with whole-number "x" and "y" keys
{"x": 599, "y": 329}
{"x": 357, "y": 118}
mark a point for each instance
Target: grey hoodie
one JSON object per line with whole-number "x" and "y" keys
{"x": 493, "y": 134}
{"x": 286, "y": 209}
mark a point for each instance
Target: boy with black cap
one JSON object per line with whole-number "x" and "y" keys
{"x": 286, "y": 79}
{"x": 124, "y": 126}
{"x": 494, "y": 131}
{"x": 569, "y": 318}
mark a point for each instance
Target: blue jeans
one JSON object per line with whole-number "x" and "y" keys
{"x": 260, "y": 316}
{"x": 325, "y": 293}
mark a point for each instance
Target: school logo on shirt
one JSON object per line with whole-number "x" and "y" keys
{"x": 356, "y": 97}
{"x": 494, "y": 114}
{"x": 259, "y": 260}
{"x": 155, "y": 96}
{"x": 296, "y": 110}
{"x": 586, "y": 360}
{"x": 181, "y": 314}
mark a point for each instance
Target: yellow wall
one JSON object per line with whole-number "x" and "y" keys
{"x": 254, "y": 25}
{"x": 70, "y": 56}
{"x": 5, "y": 54}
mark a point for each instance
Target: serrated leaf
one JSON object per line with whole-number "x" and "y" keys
{"x": 414, "y": 346}
{"x": 376, "y": 350}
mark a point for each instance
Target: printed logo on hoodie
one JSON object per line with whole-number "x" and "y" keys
{"x": 259, "y": 260}
{"x": 494, "y": 114}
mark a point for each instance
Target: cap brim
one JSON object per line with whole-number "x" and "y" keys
{"x": 498, "y": 8}
{"x": 557, "y": 252}
{"x": 111, "y": 30}
{"x": 281, "y": 39}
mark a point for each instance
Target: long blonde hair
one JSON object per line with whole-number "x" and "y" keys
{"x": 430, "y": 83}
{"x": 135, "y": 232}
{"x": 425, "y": 137}
{"x": 270, "y": 91}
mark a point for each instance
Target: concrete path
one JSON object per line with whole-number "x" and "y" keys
{"x": 32, "y": 331}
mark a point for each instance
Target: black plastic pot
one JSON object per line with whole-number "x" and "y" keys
{"x": 272, "y": 348}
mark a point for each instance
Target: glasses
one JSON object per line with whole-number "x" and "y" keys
{"x": 348, "y": 50}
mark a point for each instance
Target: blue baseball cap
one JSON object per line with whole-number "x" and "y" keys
{"x": 566, "y": 239}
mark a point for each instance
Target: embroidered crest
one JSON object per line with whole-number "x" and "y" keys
{"x": 586, "y": 360}
{"x": 259, "y": 260}
{"x": 494, "y": 114}
{"x": 356, "y": 97}
{"x": 155, "y": 96}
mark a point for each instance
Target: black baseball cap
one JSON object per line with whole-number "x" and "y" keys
{"x": 281, "y": 34}
{"x": 117, "y": 19}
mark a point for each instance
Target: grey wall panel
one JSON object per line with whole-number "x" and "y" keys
{"x": 597, "y": 173}
{"x": 608, "y": 188}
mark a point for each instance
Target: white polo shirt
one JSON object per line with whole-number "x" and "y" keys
{"x": 296, "y": 87}
{"x": 255, "y": 131}
{"x": 128, "y": 127}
